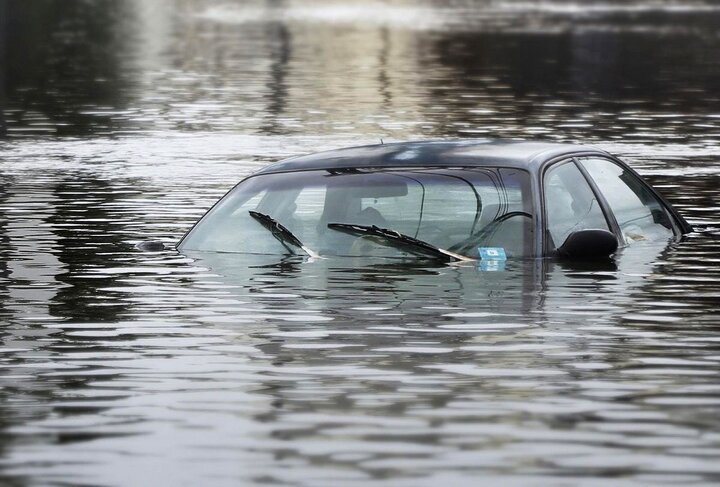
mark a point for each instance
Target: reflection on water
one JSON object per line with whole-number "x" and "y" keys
{"x": 127, "y": 119}
{"x": 544, "y": 69}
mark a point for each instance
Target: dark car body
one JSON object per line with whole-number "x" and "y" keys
{"x": 560, "y": 180}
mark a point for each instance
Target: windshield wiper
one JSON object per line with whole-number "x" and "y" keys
{"x": 281, "y": 233}
{"x": 399, "y": 240}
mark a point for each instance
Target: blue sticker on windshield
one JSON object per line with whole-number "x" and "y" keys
{"x": 492, "y": 253}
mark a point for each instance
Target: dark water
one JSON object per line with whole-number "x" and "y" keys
{"x": 125, "y": 120}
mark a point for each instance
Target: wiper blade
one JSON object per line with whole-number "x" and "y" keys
{"x": 399, "y": 240}
{"x": 280, "y": 232}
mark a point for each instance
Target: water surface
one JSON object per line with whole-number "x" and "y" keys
{"x": 125, "y": 120}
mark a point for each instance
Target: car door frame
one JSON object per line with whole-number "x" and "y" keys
{"x": 680, "y": 226}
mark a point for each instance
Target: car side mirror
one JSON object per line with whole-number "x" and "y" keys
{"x": 592, "y": 244}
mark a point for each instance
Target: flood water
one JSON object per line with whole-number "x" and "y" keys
{"x": 125, "y": 120}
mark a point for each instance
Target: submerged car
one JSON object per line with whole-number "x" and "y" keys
{"x": 444, "y": 200}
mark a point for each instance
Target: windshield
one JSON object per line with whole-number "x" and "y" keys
{"x": 462, "y": 210}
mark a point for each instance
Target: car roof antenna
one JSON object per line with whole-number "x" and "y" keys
{"x": 381, "y": 142}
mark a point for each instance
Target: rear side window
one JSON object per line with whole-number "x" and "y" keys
{"x": 639, "y": 213}
{"x": 570, "y": 204}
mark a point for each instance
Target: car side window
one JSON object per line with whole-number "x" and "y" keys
{"x": 570, "y": 204}
{"x": 639, "y": 213}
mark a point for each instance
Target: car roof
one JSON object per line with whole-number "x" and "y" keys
{"x": 433, "y": 153}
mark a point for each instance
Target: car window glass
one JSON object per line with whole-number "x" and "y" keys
{"x": 640, "y": 215}
{"x": 464, "y": 210}
{"x": 517, "y": 202}
{"x": 301, "y": 218}
{"x": 570, "y": 203}
{"x": 232, "y": 226}
{"x": 400, "y": 213}
{"x": 452, "y": 204}
{"x": 469, "y": 208}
